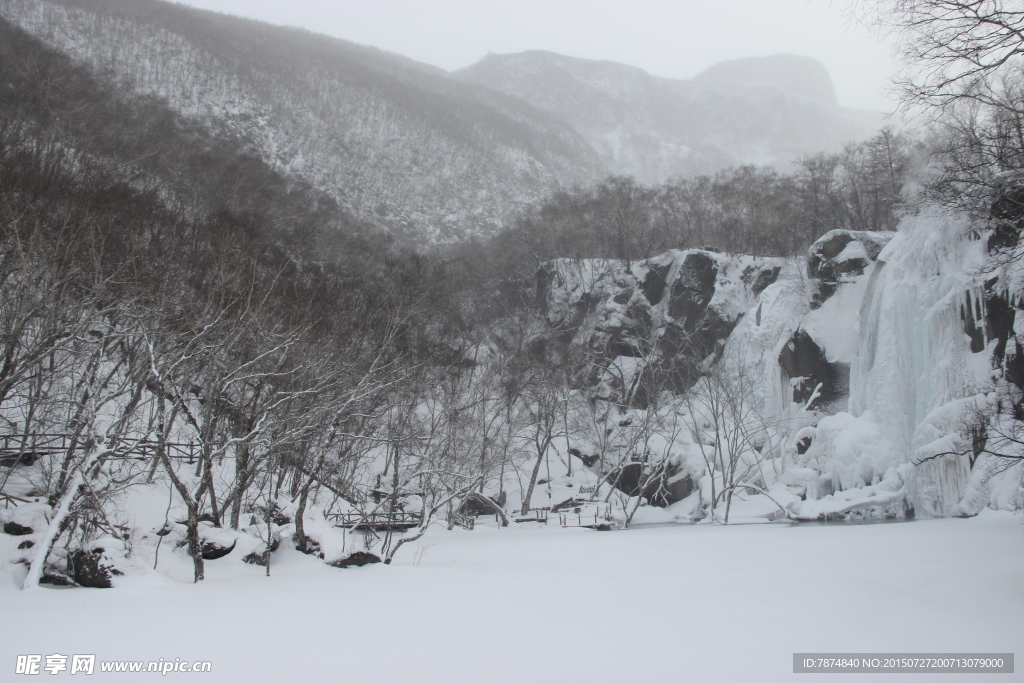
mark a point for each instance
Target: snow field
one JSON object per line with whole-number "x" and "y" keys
{"x": 535, "y": 603}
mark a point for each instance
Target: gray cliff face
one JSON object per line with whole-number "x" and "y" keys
{"x": 675, "y": 311}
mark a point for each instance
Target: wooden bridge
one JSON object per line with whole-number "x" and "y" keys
{"x": 26, "y": 449}
{"x": 592, "y": 517}
{"x": 532, "y": 515}
{"x": 376, "y": 521}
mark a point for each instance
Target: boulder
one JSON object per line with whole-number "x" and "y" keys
{"x": 260, "y": 558}
{"x": 53, "y": 578}
{"x": 214, "y": 551}
{"x": 15, "y": 529}
{"x": 759, "y": 278}
{"x": 90, "y": 570}
{"x": 661, "y": 488}
{"x": 356, "y": 559}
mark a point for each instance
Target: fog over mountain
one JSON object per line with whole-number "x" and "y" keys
{"x": 435, "y": 157}
{"x": 757, "y": 110}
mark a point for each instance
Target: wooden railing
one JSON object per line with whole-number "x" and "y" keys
{"x": 376, "y": 521}
{"x": 593, "y": 517}
{"x": 25, "y": 449}
{"x": 532, "y": 515}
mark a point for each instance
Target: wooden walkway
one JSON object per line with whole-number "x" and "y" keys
{"x": 592, "y": 517}
{"x": 376, "y": 521}
{"x": 26, "y": 449}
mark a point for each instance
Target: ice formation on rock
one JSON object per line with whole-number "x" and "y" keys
{"x": 899, "y": 341}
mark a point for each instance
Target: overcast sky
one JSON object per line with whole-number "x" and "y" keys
{"x": 671, "y": 38}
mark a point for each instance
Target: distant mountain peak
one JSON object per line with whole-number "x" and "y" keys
{"x": 756, "y": 110}
{"x": 794, "y": 74}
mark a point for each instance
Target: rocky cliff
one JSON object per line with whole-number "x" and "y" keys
{"x": 888, "y": 363}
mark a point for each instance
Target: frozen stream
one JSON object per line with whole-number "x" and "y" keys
{"x": 530, "y": 603}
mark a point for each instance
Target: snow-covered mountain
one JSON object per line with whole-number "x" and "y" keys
{"x": 434, "y": 157}
{"x": 759, "y": 110}
{"x": 395, "y": 141}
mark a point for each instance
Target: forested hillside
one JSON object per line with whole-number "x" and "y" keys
{"x": 435, "y": 158}
{"x": 391, "y": 140}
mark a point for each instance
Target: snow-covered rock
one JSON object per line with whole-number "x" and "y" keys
{"x": 895, "y": 342}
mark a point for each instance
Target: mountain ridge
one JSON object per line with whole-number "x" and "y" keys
{"x": 431, "y": 157}
{"x": 760, "y": 110}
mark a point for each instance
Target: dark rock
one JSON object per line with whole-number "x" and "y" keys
{"x": 823, "y": 293}
{"x": 311, "y": 547}
{"x": 765, "y": 279}
{"x": 619, "y": 346}
{"x": 685, "y": 351}
{"x": 25, "y": 545}
{"x": 759, "y": 279}
{"x": 639, "y": 319}
{"x": 693, "y": 289}
{"x": 654, "y": 283}
{"x": 215, "y": 551}
{"x": 256, "y": 558}
{"x": 1008, "y": 214}
{"x": 822, "y": 264}
{"x": 15, "y": 529}
{"x": 1014, "y": 366}
{"x": 853, "y": 266}
{"x": 476, "y": 504}
{"x": 587, "y": 460}
{"x": 27, "y": 458}
{"x": 545, "y": 276}
{"x": 802, "y": 357}
{"x": 677, "y": 489}
{"x": 970, "y": 316}
{"x": 261, "y": 558}
{"x": 820, "y": 261}
{"x": 52, "y": 578}
{"x": 89, "y": 569}
{"x": 568, "y": 503}
{"x": 999, "y": 319}
{"x": 633, "y": 479}
{"x": 356, "y": 559}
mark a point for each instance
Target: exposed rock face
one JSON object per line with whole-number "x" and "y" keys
{"x": 671, "y": 311}
{"x": 807, "y": 367}
{"x": 839, "y": 255}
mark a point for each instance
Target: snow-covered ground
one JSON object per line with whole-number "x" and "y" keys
{"x": 532, "y": 603}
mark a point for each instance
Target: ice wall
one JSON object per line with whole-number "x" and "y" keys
{"x": 921, "y": 347}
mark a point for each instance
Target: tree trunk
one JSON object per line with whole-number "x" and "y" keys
{"x": 533, "y": 479}
{"x": 42, "y": 549}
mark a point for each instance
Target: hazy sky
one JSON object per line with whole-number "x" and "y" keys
{"x": 672, "y": 38}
